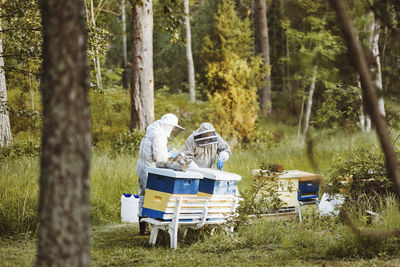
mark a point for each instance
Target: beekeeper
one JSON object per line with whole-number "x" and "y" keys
{"x": 153, "y": 148}
{"x": 204, "y": 145}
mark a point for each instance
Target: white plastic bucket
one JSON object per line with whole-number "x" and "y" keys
{"x": 129, "y": 208}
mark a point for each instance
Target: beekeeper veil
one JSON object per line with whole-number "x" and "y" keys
{"x": 205, "y": 135}
{"x": 170, "y": 125}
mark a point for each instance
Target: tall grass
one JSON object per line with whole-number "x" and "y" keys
{"x": 110, "y": 178}
{"x": 18, "y": 196}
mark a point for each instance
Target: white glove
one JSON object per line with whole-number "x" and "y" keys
{"x": 224, "y": 156}
{"x": 193, "y": 165}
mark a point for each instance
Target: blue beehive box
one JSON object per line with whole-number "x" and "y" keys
{"x": 216, "y": 182}
{"x": 164, "y": 183}
{"x": 308, "y": 189}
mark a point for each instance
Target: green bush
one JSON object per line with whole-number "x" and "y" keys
{"x": 361, "y": 170}
{"x": 128, "y": 142}
{"x": 341, "y": 104}
{"x": 20, "y": 149}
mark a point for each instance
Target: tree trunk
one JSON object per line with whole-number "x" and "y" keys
{"x": 189, "y": 56}
{"x": 375, "y": 64}
{"x": 96, "y": 61}
{"x": 365, "y": 120}
{"x": 65, "y": 158}
{"x": 310, "y": 100}
{"x": 125, "y": 82}
{"x": 262, "y": 47}
{"x": 5, "y": 130}
{"x": 142, "y": 84}
{"x": 301, "y": 115}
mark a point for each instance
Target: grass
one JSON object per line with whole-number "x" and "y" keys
{"x": 261, "y": 243}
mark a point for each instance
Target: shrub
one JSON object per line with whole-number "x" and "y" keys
{"x": 128, "y": 142}
{"x": 340, "y": 104}
{"x": 22, "y": 148}
{"x": 360, "y": 171}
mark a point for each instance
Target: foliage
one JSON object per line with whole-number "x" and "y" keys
{"x": 22, "y": 40}
{"x": 17, "y": 150}
{"x": 263, "y": 197}
{"x": 109, "y": 115}
{"x": 128, "y": 142}
{"x": 98, "y": 41}
{"x": 173, "y": 18}
{"x": 361, "y": 170}
{"x": 233, "y": 75}
{"x": 340, "y": 105}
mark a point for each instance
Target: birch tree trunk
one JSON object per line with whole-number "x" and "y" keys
{"x": 375, "y": 64}
{"x": 142, "y": 83}
{"x": 5, "y": 130}
{"x": 189, "y": 56}
{"x": 125, "y": 82}
{"x": 262, "y": 47}
{"x": 365, "y": 120}
{"x": 96, "y": 60}
{"x": 310, "y": 100}
{"x": 64, "y": 230}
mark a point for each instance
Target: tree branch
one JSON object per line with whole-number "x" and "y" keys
{"x": 23, "y": 71}
{"x": 368, "y": 233}
{"x": 21, "y": 29}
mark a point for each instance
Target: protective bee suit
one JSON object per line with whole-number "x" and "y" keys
{"x": 204, "y": 145}
{"x": 153, "y": 148}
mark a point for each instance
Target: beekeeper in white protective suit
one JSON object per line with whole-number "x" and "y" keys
{"x": 153, "y": 148}
{"x": 204, "y": 145}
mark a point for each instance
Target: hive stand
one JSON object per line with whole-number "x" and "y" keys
{"x": 192, "y": 212}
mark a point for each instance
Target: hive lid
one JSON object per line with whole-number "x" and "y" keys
{"x": 292, "y": 174}
{"x": 217, "y": 174}
{"x": 174, "y": 174}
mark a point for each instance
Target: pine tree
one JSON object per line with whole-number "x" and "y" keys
{"x": 233, "y": 74}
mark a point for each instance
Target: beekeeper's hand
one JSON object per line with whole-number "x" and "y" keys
{"x": 172, "y": 154}
{"x": 220, "y": 164}
{"x": 222, "y": 157}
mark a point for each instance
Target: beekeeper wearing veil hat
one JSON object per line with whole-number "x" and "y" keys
{"x": 204, "y": 145}
{"x": 153, "y": 148}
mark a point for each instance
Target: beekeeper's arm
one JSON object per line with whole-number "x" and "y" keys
{"x": 160, "y": 149}
{"x": 190, "y": 147}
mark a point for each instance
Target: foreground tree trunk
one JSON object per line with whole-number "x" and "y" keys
{"x": 65, "y": 158}
{"x": 5, "y": 130}
{"x": 310, "y": 101}
{"x": 262, "y": 46}
{"x": 189, "y": 56}
{"x": 125, "y": 82}
{"x": 142, "y": 84}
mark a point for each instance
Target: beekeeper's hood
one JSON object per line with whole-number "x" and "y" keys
{"x": 205, "y": 135}
{"x": 164, "y": 126}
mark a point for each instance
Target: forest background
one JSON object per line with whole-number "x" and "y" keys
{"x": 264, "y": 104}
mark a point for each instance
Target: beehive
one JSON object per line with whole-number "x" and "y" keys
{"x": 216, "y": 182}
{"x": 165, "y": 183}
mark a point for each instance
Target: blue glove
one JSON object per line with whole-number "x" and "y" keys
{"x": 220, "y": 164}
